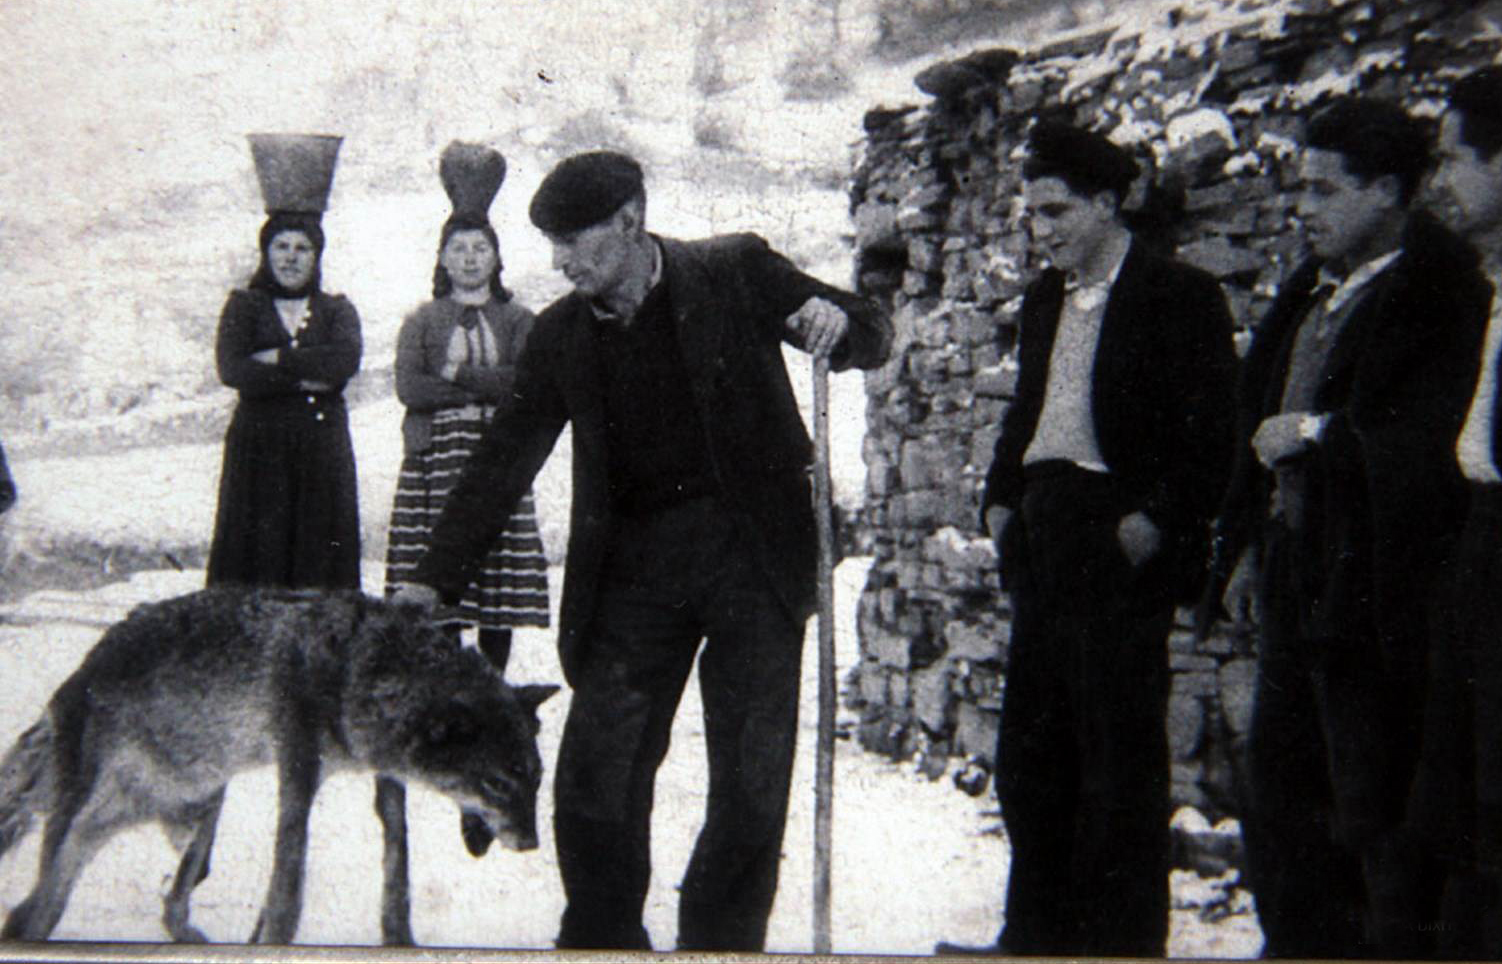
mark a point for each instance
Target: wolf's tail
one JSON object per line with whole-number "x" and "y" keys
{"x": 25, "y": 781}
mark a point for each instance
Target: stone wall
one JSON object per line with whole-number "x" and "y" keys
{"x": 1212, "y": 99}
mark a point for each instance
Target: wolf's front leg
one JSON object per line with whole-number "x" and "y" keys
{"x": 396, "y": 907}
{"x": 298, "y": 772}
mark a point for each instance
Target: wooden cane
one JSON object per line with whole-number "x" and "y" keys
{"x": 824, "y": 755}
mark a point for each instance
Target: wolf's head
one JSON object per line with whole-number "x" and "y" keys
{"x": 425, "y": 709}
{"x": 481, "y": 749}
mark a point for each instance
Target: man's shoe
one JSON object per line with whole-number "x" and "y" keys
{"x": 946, "y": 949}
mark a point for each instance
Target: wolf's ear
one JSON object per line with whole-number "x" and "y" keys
{"x": 534, "y": 695}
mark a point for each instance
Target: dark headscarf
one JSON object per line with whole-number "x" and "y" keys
{"x": 307, "y": 224}
{"x": 443, "y": 285}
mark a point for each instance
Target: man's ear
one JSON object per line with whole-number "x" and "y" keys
{"x": 631, "y": 216}
{"x": 1389, "y": 185}
{"x": 532, "y": 696}
{"x": 1106, "y": 204}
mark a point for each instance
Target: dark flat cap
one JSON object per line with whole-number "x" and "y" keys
{"x": 583, "y": 190}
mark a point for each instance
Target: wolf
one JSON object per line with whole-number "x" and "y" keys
{"x": 182, "y": 694}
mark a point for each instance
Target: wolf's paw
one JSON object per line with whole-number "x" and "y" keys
{"x": 18, "y": 923}
{"x": 397, "y": 936}
{"x": 188, "y": 934}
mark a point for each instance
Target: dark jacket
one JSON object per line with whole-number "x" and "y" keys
{"x": 1161, "y": 398}
{"x": 1384, "y": 498}
{"x": 730, "y": 298}
{"x": 7, "y": 486}
{"x": 422, "y": 350}
{"x": 329, "y": 352}
{"x": 288, "y": 511}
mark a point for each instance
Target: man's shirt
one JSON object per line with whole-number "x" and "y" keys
{"x": 1313, "y": 343}
{"x": 1473, "y": 449}
{"x": 1066, "y": 424}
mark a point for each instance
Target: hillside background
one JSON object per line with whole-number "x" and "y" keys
{"x": 129, "y": 201}
{"x": 129, "y": 207}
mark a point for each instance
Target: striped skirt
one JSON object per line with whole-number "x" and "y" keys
{"x": 511, "y": 587}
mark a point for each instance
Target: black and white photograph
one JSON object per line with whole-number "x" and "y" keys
{"x": 935, "y": 478}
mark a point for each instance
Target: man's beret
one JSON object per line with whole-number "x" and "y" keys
{"x": 1479, "y": 94}
{"x": 584, "y": 190}
{"x": 1087, "y": 161}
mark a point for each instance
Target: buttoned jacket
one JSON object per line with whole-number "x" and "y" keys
{"x": 422, "y": 351}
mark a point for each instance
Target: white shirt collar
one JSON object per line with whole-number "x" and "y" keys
{"x": 1085, "y": 297}
{"x": 1355, "y": 281}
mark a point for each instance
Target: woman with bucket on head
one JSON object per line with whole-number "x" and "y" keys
{"x": 288, "y": 511}
{"x": 455, "y": 363}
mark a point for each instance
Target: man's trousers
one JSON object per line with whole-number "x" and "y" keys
{"x": 672, "y": 580}
{"x": 1456, "y": 804}
{"x": 1331, "y": 755}
{"x": 1082, "y": 755}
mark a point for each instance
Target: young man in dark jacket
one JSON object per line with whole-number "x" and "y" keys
{"x": 1456, "y": 804}
{"x": 692, "y": 521}
{"x": 1346, "y": 491}
{"x": 1109, "y": 465}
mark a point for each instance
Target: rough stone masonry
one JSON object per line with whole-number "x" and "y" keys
{"x": 1212, "y": 99}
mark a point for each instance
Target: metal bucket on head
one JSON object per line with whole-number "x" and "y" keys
{"x": 295, "y": 171}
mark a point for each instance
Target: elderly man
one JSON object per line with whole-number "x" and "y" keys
{"x": 692, "y": 521}
{"x": 1347, "y": 494}
{"x": 1456, "y": 804}
{"x": 1106, "y": 472}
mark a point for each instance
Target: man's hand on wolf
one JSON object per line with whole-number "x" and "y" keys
{"x": 416, "y": 594}
{"x": 820, "y": 323}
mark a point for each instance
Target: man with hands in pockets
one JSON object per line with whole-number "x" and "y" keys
{"x": 1110, "y": 462}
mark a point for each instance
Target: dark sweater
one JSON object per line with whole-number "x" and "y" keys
{"x": 658, "y": 456}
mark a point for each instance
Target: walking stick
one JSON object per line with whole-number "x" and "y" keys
{"x": 824, "y": 755}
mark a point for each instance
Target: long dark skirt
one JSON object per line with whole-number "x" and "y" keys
{"x": 511, "y": 586}
{"x": 288, "y": 512}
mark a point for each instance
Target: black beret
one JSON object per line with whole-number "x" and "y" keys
{"x": 1086, "y": 161}
{"x": 1479, "y": 94}
{"x": 583, "y": 190}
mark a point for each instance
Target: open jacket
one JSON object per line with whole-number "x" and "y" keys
{"x": 1161, "y": 398}
{"x": 1384, "y": 498}
{"x": 730, "y": 299}
{"x": 422, "y": 351}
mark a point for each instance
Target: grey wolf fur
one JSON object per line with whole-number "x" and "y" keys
{"x": 183, "y": 694}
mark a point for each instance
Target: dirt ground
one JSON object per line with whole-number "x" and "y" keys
{"x": 915, "y": 860}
